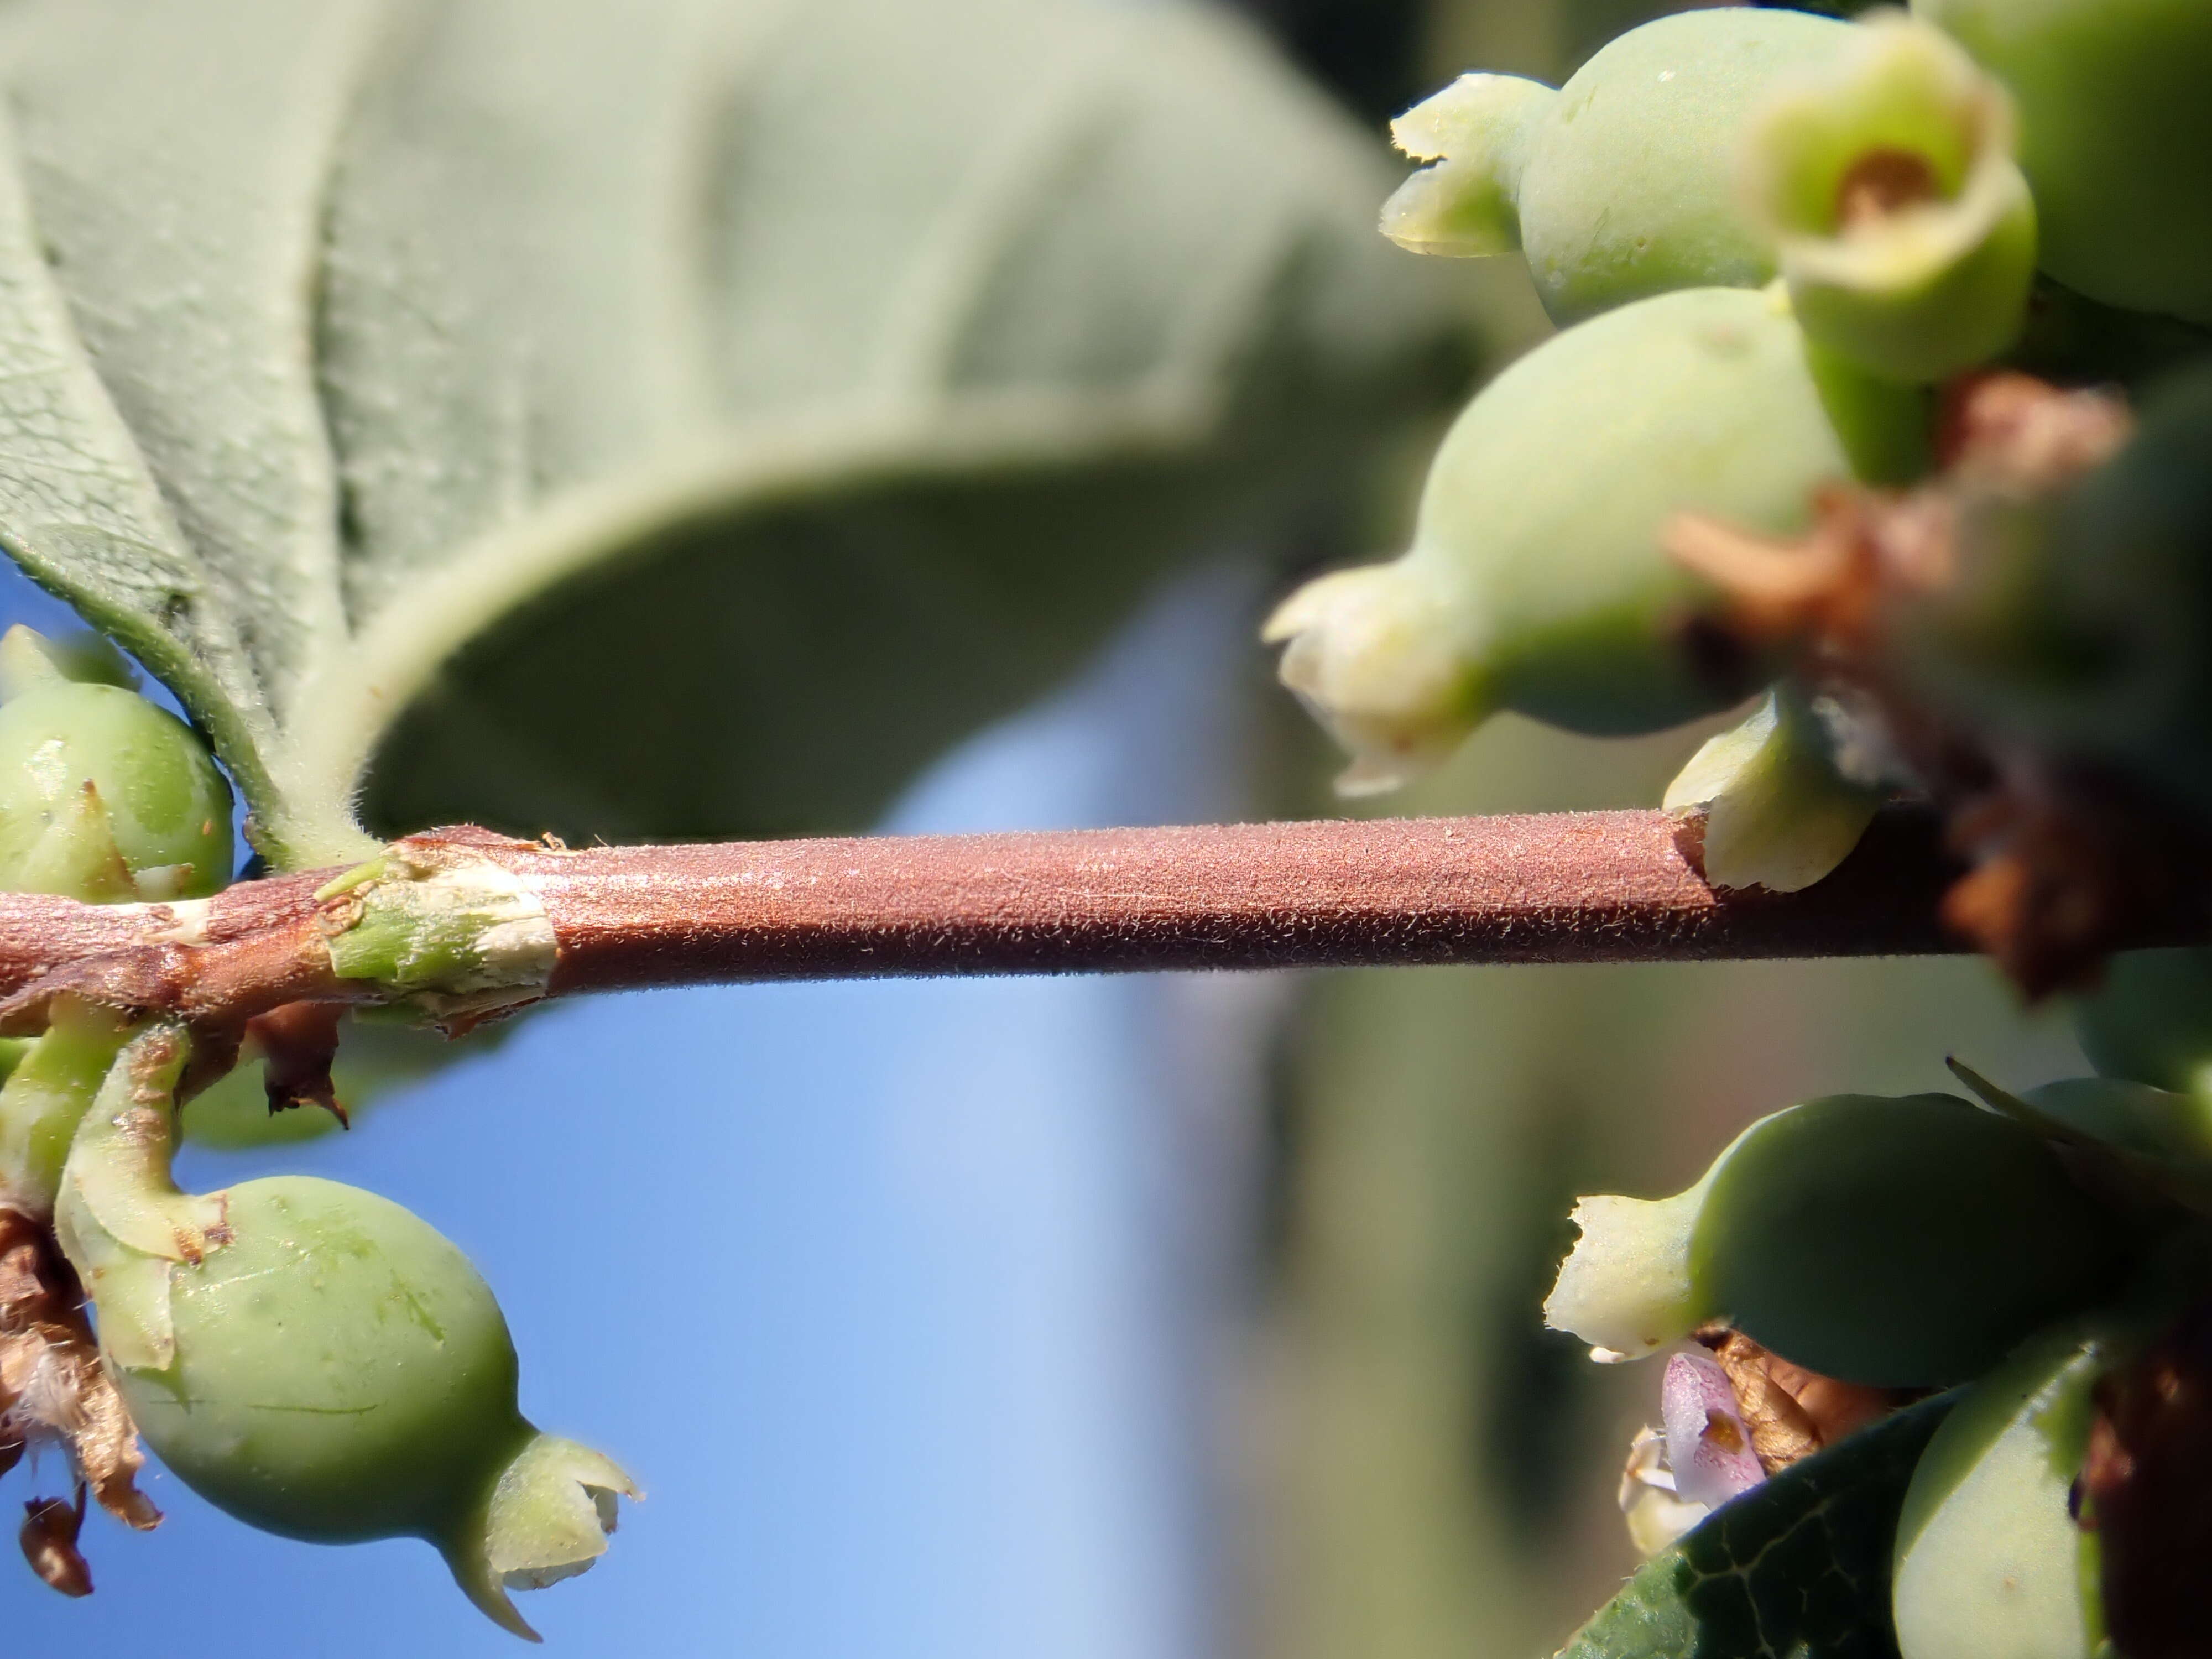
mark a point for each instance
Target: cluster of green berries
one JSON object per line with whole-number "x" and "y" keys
{"x": 308, "y": 1357}
{"x": 1779, "y": 246}
{"x": 1772, "y": 239}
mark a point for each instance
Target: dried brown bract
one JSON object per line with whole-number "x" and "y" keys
{"x": 49, "y": 1534}
{"x": 2067, "y": 859}
{"x": 54, "y": 1390}
{"x": 298, "y": 1043}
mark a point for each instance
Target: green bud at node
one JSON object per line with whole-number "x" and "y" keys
{"x": 1537, "y": 581}
{"x": 1989, "y": 1563}
{"x": 1620, "y": 185}
{"x": 103, "y": 796}
{"x": 1477, "y": 132}
{"x": 1885, "y": 178}
{"x": 315, "y": 1359}
{"x": 1778, "y": 812}
{"x": 1902, "y": 1243}
{"x": 2116, "y": 138}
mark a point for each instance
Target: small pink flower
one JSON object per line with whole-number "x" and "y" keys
{"x": 1708, "y": 1446}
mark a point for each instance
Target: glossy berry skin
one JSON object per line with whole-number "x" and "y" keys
{"x": 1622, "y": 184}
{"x": 1989, "y": 1563}
{"x": 1538, "y": 580}
{"x": 2116, "y": 138}
{"x": 106, "y": 797}
{"x": 342, "y": 1372}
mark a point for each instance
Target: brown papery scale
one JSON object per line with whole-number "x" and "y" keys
{"x": 54, "y": 1388}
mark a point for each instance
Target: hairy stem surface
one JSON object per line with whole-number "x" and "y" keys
{"x": 462, "y": 922}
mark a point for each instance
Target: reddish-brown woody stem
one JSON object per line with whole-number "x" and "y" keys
{"x": 1579, "y": 887}
{"x": 1567, "y": 887}
{"x": 1570, "y": 887}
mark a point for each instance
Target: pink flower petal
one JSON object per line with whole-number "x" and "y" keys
{"x": 1708, "y": 1447}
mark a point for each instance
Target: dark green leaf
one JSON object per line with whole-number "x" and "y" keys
{"x": 1798, "y": 1568}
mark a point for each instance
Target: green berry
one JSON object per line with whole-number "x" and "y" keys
{"x": 2164, "y": 1125}
{"x": 2151, "y": 1020}
{"x": 2071, "y": 340}
{"x": 1538, "y": 581}
{"x": 2116, "y": 138}
{"x": 316, "y": 1360}
{"x": 1905, "y": 233}
{"x": 1902, "y": 1243}
{"x": 1989, "y": 1563}
{"x": 1620, "y": 184}
{"x": 103, "y": 796}
{"x": 340, "y": 1372}
{"x": 2155, "y": 1144}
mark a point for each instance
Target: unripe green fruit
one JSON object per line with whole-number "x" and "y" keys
{"x": 1815, "y": 1231}
{"x": 2165, "y": 1127}
{"x": 1988, "y": 1562}
{"x": 342, "y": 1372}
{"x": 1538, "y": 581}
{"x": 1905, "y": 233}
{"x": 1620, "y": 184}
{"x": 316, "y": 1360}
{"x": 1904, "y": 1242}
{"x": 2116, "y": 138}
{"x": 2151, "y": 1020}
{"x": 103, "y": 796}
{"x": 2070, "y": 339}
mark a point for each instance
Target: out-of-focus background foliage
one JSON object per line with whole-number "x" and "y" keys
{"x": 1436, "y": 1471}
{"x": 1134, "y": 1319}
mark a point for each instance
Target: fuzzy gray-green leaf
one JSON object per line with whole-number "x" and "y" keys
{"x": 647, "y": 417}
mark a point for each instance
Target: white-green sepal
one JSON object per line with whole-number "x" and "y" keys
{"x": 546, "y": 1518}
{"x": 120, "y": 1215}
{"x": 1626, "y": 1287}
{"x": 1378, "y": 657}
{"x": 1476, "y": 131}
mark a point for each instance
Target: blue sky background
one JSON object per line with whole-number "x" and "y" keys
{"x": 900, "y": 1299}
